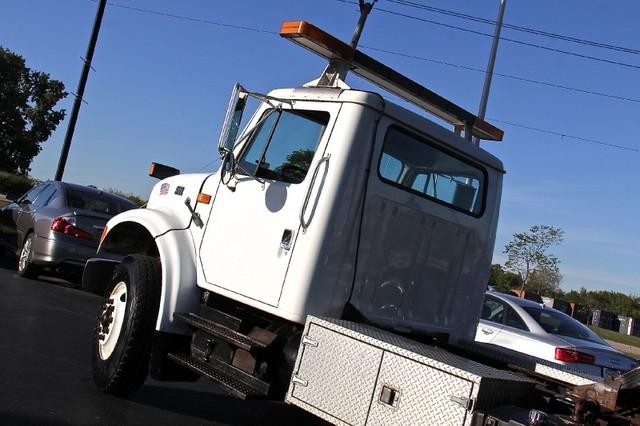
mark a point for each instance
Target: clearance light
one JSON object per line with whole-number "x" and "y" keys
{"x": 161, "y": 171}
{"x": 329, "y": 47}
{"x": 204, "y": 198}
{"x": 571, "y": 355}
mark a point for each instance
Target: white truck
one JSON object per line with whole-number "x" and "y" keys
{"x": 337, "y": 259}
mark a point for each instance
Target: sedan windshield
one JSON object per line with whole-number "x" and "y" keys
{"x": 96, "y": 202}
{"x": 554, "y": 322}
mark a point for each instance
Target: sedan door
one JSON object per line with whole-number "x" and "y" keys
{"x": 15, "y": 217}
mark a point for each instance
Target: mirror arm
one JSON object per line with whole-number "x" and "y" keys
{"x": 267, "y": 99}
{"x": 248, "y": 132}
{"x": 259, "y": 180}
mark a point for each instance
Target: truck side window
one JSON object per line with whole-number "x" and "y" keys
{"x": 282, "y": 147}
{"x": 420, "y": 167}
{"x": 390, "y": 167}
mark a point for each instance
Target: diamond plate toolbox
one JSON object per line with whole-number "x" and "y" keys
{"x": 353, "y": 374}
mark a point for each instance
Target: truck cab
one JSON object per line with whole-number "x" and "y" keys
{"x": 332, "y": 202}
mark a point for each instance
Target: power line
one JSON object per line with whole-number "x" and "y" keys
{"x": 517, "y": 27}
{"x": 512, "y": 77}
{"x": 510, "y": 40}
{"x": 259, "y": 30}
{"x": 564, "y": 135}
{"x": 189, "y": 18}
{"x": 391, "y": 52}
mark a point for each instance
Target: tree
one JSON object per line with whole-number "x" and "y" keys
{"x": 503, "y": 281}
{"x": 131, "y": 197}
{"x": 527, "y": 256}
{"x": 27, "y": 117}
{"x": 545, "y": 281}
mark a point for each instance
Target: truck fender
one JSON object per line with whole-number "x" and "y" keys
{"x": 155, "y": 233}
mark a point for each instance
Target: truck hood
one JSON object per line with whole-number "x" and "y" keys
{"x": 172, "y": 193}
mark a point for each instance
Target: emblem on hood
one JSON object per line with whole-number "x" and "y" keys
{"x": 164, "y": 189}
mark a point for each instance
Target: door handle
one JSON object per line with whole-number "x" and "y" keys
{"x": 303, "y": 210}
{"x": 487, "y": 331}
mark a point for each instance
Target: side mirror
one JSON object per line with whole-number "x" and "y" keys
{"x": 232, "y": 119}
{"x": 160, "y": 171}
{"x": 12, "y": 196}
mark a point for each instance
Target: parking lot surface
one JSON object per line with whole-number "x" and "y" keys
{"x": 45, "y": 370}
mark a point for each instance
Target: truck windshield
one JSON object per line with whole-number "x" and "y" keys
{"x": 282, "y": 146}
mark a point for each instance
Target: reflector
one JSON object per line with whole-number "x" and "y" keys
{"x": 204, "y": 198}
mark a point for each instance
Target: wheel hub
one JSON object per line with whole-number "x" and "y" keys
{"x": 111, "y": 319}
{"x": 25, "y": 254}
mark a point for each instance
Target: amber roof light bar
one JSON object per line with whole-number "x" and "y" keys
{"x": 331, "y": 48}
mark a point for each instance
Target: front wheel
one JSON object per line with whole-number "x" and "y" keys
{"x": 125, "y": 326}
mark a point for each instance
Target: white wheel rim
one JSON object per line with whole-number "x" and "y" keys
{"x": 24, "y": 255}
{"x": 110, "y": 323}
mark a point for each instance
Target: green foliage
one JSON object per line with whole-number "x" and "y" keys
{"x": 133, "y": 198}
{"x": 527, "y": 256}
{"x": 502, "y": 280}
{"x": 301, "y": 159}
{"x": 617, "y": 337}
{"x": 27, "y": 117}
{"x": 12, "y": 184}
{"x": 611, "y": 301}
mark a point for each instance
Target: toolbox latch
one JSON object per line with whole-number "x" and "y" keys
{"x": 307, "y": 341}
{"x": 466, "y": 403}
{"x": 389, "y": 396}
{"x": 298, "y": 381}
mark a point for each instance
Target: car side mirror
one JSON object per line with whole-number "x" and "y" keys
{"x": 12, "y": 196}
{"x": 232, "y": 119}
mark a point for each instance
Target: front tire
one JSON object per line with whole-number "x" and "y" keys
{"x": 26, "y": 268}
{"x": 125, "y": 326}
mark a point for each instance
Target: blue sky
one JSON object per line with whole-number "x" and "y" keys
{"x": 161, "y": 85}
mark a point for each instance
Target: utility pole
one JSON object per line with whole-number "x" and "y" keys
{"x": 492, "y": 60}
{"x": 80, "y": 92}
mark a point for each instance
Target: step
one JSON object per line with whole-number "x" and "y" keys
{"x": 220, "y": 317}
{"x": 226, "y": 381}
{"x": 225, "y": 333}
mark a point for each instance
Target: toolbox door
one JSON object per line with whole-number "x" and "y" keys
{"x": 410, "y": 393}
{"x": 335, "y": 376}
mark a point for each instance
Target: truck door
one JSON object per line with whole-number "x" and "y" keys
{"x": 252, "y": 229}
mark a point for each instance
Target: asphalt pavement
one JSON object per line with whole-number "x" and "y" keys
{"x": 45, "y": 369}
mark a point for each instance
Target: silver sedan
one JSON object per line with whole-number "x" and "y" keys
{"x": 57, "y": 225}
{"x": 534, "y": 329}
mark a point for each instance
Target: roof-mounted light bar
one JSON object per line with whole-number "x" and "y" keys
{"x": 331, "y": 48}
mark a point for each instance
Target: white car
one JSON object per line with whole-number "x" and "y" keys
{"x": 534, "y": 329}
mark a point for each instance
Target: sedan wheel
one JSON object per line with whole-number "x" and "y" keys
{"x": 25, "y": 267}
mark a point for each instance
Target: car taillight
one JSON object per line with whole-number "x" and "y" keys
{"x": 104, "y": 233}
{"x": 571, "y": 355}
{"x": 60, "y": 224}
